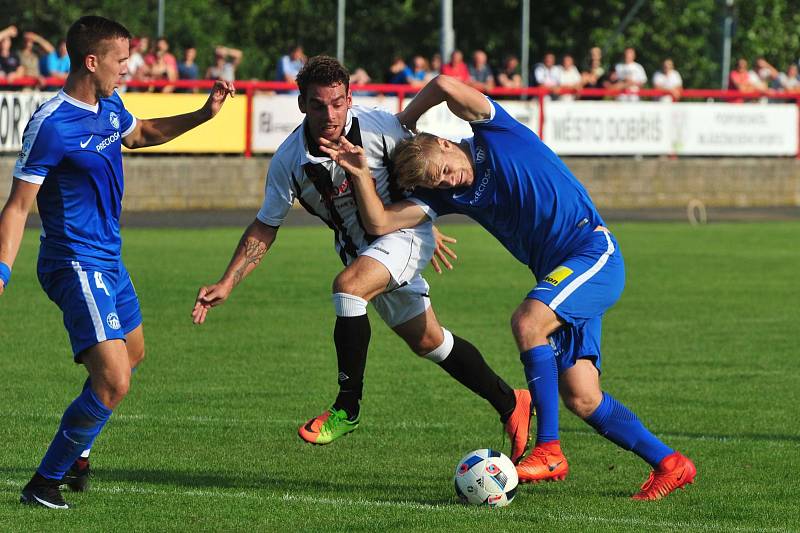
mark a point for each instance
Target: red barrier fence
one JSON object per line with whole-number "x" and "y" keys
{"x": 542, "y": 94}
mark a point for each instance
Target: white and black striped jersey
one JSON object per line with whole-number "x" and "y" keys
{"x": 323, "y": 188}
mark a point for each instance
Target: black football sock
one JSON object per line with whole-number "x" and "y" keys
{"x": 351, "y": 337}
{"x": 466, "y": 364}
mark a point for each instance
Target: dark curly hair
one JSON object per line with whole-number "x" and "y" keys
{"x": 324, "y": 71}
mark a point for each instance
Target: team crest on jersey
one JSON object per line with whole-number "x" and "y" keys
{"x": 480, "y": 154}
{"x": 26, "y": 146}
{"x": 114, "y": 119}
{"x": 113, "y": 321}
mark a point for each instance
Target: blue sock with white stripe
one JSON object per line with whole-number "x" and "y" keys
{"x": 618, "y": 424}
{"x": 541, "y": 372}
{"x": 81, "y": 423}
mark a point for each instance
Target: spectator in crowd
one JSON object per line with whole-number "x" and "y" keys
{"x": 290, "y": 64}
{"x": 187, "y": 68}
{"x": 436, "y": 65}
{"x": 456, "y": 68}
{"x": 509, "y": 76}
{"x": 137, "y": 68}
{"x": 595, "y": 74}
{"x": 399, "y": 73}
{"x": 630, "y": 76}
{"x": 162, "y": 64}
{"x": 226, "y": 60}
{"x": 740, "y": 78}
{"x": 10, "y": 67}
{"x": 570, "y": 78}
{"x": 420, "y": 71}
{"x": 57, "y": 61}
{"x": 480, "y": 73}
{"x": 767, "y": 74}
{"x": 28, "y": 57}
{"x": 788, "y": 81}
{"x": 360, "y": 77}
{"x": 668, "y": 79}
{"x": 547, "y": 73}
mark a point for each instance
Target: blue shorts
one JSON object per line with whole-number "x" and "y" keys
{"x": 98, "y": 303}
{"x": 580, "y": 290}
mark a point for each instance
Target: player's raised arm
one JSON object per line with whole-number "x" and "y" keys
{"x": 154, "y": 131}
{"x": 378, "y": 219}
{"x": 254, "y": 244}
{"x": 12, "y": 225}
{"x": 464, "y": 101}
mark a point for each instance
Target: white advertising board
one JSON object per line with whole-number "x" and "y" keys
{"x": 608, "y": 128}
{"x": 734, "y": 129}
{"x": 16, "y": 107}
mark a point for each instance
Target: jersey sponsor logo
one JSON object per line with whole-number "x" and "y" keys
{"x": 482, "y": 185}
{"x": 558, "y": 275}
{"x": 113, "y": 321}
{"x": 113, "y": 118}
{"x": 108, "y": 141}
{"x": 86, "y": 142}
{"x": 480, "y": 154}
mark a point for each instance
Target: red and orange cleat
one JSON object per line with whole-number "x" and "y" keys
{"x": 673, "y": 472}
{"x": 518, "y": 425}
{"x": 545, "y": 463}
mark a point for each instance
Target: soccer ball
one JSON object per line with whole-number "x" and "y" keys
{"x": 486, "y": 477}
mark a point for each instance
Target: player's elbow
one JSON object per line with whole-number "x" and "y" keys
{"x": 377, "y": 229}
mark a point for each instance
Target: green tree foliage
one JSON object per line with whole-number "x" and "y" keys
{"x": 688, "y": 31}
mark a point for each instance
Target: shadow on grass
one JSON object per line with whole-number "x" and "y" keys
{"x": 762, "y": 437}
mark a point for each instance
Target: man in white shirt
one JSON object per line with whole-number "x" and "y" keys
{"x": 631, "y": 75}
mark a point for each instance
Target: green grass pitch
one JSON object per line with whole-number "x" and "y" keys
{"x": 702, "y": 346}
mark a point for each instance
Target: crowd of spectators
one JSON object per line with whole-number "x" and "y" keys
{"x": 37, "y": 58}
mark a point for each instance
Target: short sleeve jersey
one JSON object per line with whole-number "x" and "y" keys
{"x": 523, "y": 194}
{"x": 73, "y": 150}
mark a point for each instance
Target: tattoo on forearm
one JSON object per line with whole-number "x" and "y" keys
{"x": 254, "y": 251}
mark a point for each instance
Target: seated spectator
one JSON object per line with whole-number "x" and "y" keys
{"x": 162, "y": 64}
{"x": 595, "y": 75}
{"x": 57, "y": 61}
{"x": 399, "y": 73}
{"x": 10, "y": 67}
{"x": 570, "y": 78}
{"x": 630, "y": 76}
{"x": 767, "y": 74}
{"x": 290, "y": 64}
{"x": 668, "y": 79}
{"x": 509, "y": 76}
{"x": 456, "y": 67}
{"x": 547, "y": 74}
{"x": 225, "y": 62}
{"x": 740, "y": 78}
{"x": 28, "y": 57}
{"x": 137, "y": 68}
{"x": 187, "y": 69}
{"x": 436, "y": 65}
{"x": 788, "y": 82}
{"x": 480, "y": 73}
{"x": 420, "y": 71}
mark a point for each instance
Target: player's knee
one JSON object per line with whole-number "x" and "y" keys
{"x": 526, "y": 330}
{"x": 136, "y": 357}
{"x": 582, "y": 404}
{"x": 347, "y": 283}
{"x": 431, "y": 340}
{"x": 116, "y": 388}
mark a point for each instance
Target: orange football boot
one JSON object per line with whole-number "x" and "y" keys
{"x": 673, "y": 472}
{"x": 518, "y": 425}
{"x": 545, "y": 463}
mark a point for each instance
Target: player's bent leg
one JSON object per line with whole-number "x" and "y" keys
{"x": 532, "y": 323}
{"x": 464, "y": 362}
{"x": 580, "y": 389}
{"x": 361, "y": 281}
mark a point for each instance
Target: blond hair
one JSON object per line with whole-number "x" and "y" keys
{"x": 411, "y": 158}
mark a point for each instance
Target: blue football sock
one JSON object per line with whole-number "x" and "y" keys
{"x": 618, "y": 424}
{"x": 81, "y": 423}
{"x": 541, "y": 372}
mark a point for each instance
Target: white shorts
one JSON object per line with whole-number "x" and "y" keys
{"x": 405, "y": 254}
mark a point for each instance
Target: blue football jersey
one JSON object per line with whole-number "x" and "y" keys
{"x": 74, "y": 151}
{"x": 523, "y": 194}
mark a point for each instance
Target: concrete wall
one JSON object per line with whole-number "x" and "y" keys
{"x": 156, "y": 183}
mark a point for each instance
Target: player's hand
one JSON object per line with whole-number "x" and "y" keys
{"x": 219, "y": 92}
{"x": 347, "y": 155}
{"x": 442, "y": 251}
{"x": 208, "y": 297}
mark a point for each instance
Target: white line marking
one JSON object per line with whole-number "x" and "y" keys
{"x": 403, "y": 504}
